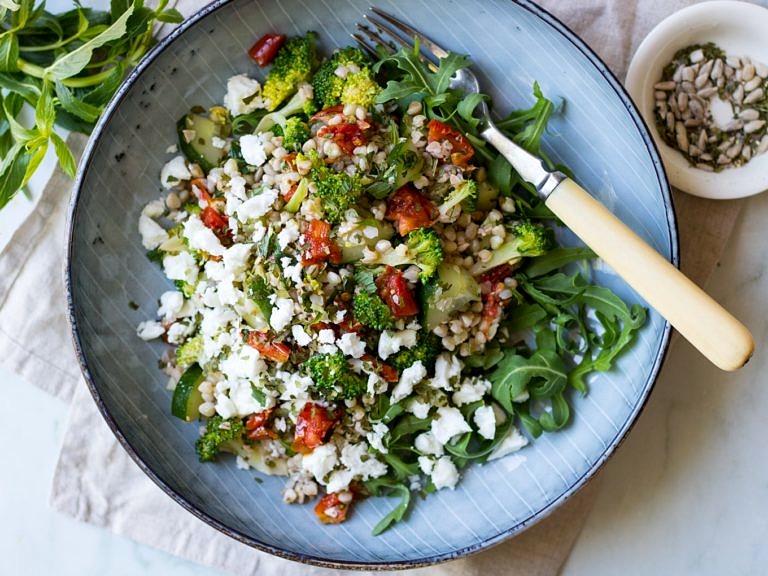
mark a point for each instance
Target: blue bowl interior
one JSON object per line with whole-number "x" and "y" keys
{"x": 599, "y": 136}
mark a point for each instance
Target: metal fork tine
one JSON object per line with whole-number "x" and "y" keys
{"x": 377, "y": 39}
{"x": 411, "y": 32}
{"x": 400, "y": 39}
{"x": 365, "y": 47}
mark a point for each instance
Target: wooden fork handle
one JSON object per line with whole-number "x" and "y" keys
{"x": 699, "y": 318}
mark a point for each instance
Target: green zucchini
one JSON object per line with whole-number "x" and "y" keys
{"x": 451, "y": 290}
{"x": 187, "y": 397}
{"x": 200, "y": 149}
{"x": 353, "y": 251}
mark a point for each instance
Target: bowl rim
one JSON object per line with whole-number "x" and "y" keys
{"x": 612, "y": 445}
{"x": 696, "y": 24}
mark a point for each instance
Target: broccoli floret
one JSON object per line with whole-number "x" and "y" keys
{"x": 189, "y": 352}
{"x": 525, "y": 239}
{"x": 356, "y": 87}
{"x": 291, "y": 68}
{"x": 338, "y": 191}
{"x": 462, "y": 197}
{"x": 218, "y": 432}
{"x": 427, "y": 348}
{"x": 295, "y": 133}
{"x": 422, "y": 248}
{"x": 333, "y": 376}
{"x": 300, "y": 103}
{"x": 370, "y": 310}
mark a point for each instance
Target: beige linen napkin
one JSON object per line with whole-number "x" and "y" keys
{"x": 96, "y": 481}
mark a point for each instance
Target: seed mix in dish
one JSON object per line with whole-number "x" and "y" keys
{"x": 713, "y": 107}
{"x": 368, "y": 299}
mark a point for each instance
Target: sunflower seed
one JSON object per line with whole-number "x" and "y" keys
{"x": 734, "y": 150}
{"x": 682, "y": 136}
{"x": 738, "y": 94}
{"x": 748, "y": 72}
{"x": 717, "y": 69}
{"x": 702, "y": 141}
{"x": 761, "y": 70}
{"x": 749, "y": 114}
{"x": 666, "y": 86}
{"x": 754, "y": 96}
{"x": 707, "y": 92}
{"x": 752, "y": 84}
{"x": 688, "y": 74}
{"x": 753, "y": 126}
{"x": 723, "y": 159}
{"x": 733, "y": 61}
{"x": 705, "y": 167}
{"x": 746, "y": 153}
{"x": 763, "y": 146}
{"x": 701, "y": 81}
{"x": 682, "y": 101}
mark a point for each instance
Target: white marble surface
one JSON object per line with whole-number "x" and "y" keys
{"x": 686, "y": 493}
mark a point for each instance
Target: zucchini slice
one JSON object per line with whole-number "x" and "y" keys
{"x": 452, "y": 290}
{"x": 186, "y": 397}
{"x": 200, "y": 131}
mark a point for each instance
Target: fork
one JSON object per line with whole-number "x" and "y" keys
{"x": 718, "y": 335}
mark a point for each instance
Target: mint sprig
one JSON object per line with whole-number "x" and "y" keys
{"x": 66, "y": 67}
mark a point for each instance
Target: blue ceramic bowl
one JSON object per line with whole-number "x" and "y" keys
{"x": 600, "y": 137}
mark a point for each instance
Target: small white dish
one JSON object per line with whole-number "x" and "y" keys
{"x": 740, "y": 29}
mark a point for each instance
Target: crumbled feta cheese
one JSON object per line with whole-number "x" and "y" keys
{"x": 172, "y": 149}
{"x": 418, "y": 408}
{"x": 426, "y": 464}
{"x": 338, "y": 480}
{"x": 282, "y": 313}
{"x": 360, "y": 462}
{"x": 371, "y": 232}
{"x": 217, "y": 142}
{"x": 351, "y": 345}
{"x": 201, "y": 237}
{"x": 171, "y": 303}
{"x": 326, "y": 336}
{"x": 376, "y": 384}
{"x": 289, "y": 234}
{"x": 445, "y": 474}
{"x": 411, "y": 376}
{"x": 447, "y": 367}
{"x": 256, "y": 207}
{"x": 320, "y": 461}
{"x": 181, "y": 266}
{"x": 215, "y": 319}
{"x": 376, "y": 437}
{"x": 150, "y": 330}
{"x": 448, "y": 424}
{"x": 152, "y": 234}
{"x": 472, "y": 389}
{"x": 252, "y": 149}
{"x": 392, "y": 342}
{"x": 178, "y": 331}
{"x": 242, "y": 95}
{"x": 236, "y": 260}
{"x": 296, "y": 385}
{"x": 485, "y": 420}
{"x": 241, "y": 394}
{"x": 224, "y": 406}
{"x": 292, "y": 271}
{"x": 244, "y": 363}
{"x": 426, "y": 443}
{"x": 512, "y": 442}
{"x": 300, "y": 335}
{"x": 174, "y": 172}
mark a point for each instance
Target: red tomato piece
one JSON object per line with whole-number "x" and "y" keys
{"x": 389, "y": 373}
{"x": 331, "y": 510}
{"x": 348, "y": 135}
{"x": 394, "y": 290}
{"x": 318, "y": 245}
{"x": 327, "y": 113}
{"x": 313, "y": 425}
{"x": 410, "y": 210}
{"x": 276, "y": 351}
{"x": 218, "y": 223}
{"x": 256, "y": 426}
{"x": 491, "y": 286}
{"x": 265, "y": 49}
{"x": 461, "y": 149}
{"x": 200, "y": 189}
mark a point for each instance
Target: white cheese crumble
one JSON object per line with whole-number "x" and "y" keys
{"x": 471, "y": 390}
{"x": 243, "y": 95}
{"x": 174, "y": 172}
{"x": 411, "y": 376}
{"x": 149, "y": 330}
{"x": 235, "y": 260}
{"x": 300, "y": 335}
{"x": 181, "y": 266}
{"x": 152, "y": 234}
{"x": 426, "y": 464}
{"x": 426, "y": 443}
{"x": 252, "y": 149}
{"x": 326, "y": 336}
{"x": 485, "y": 420}
{"x": 217, "y": 142}
{"x": 201, "y": 237}
{"x": 392, "y": 342}
{"x": 448, "y": 424}
{"x": 445, "y": 474}
{"x": 288, "y": 235}
{"x": 320, "y": 461}
{"x": 376, "y": 437}
{"x": 362, "y": 464}
{"x": 256, "y": 206}
{"x": 512, "y": 442}
{"x": 282, "y": 313}
{"x": 171, "y": 303}
{"x": 418, "y": 408}
{"x": 447, "y": 367}
{"x": 351, "y": 345}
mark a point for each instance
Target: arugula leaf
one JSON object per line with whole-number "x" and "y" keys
{"x": 386, "y": 487}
